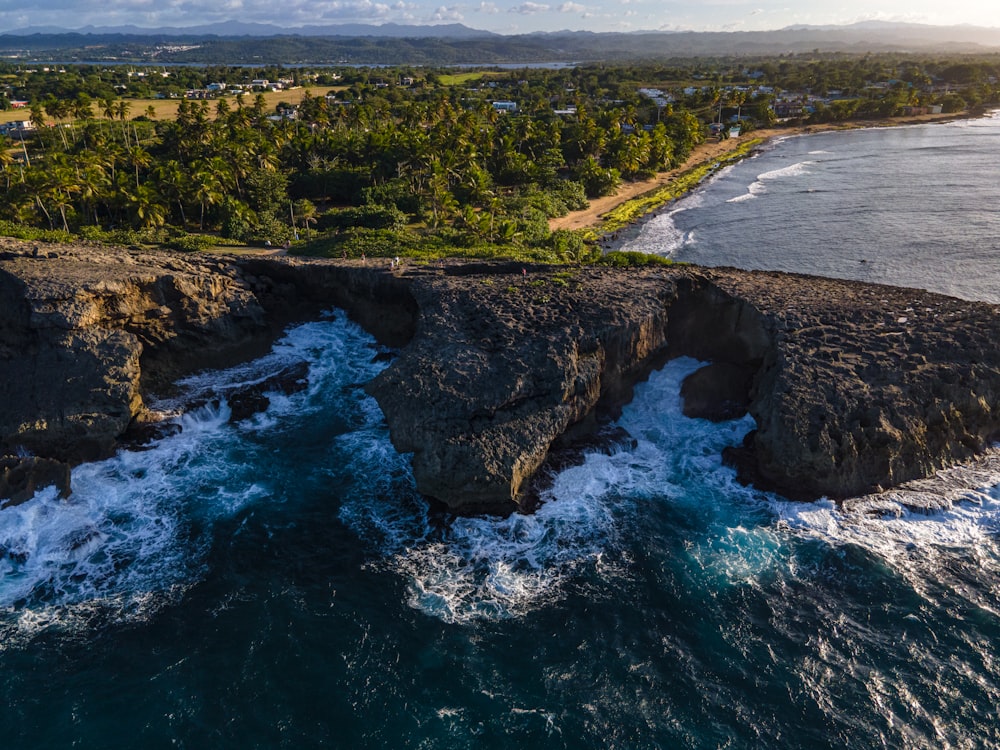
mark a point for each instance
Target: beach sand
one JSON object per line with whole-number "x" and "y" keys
{"x": 711, "y": 149}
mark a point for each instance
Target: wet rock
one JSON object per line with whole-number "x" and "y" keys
{"x": 20, "y": 478}
{"x": 251, "y": 399}
{"x": 718, "y": 392}
{"x": 142, "y": 433}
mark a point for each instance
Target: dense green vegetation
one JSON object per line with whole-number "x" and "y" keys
{"x": 373, "y": 169}
{"x": 410, "y": 161}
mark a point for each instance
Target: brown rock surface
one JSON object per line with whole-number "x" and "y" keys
{"x": 854, "y": 387}
{"x": 504, "y": 365}
{"x": 75, "y": 324}
{"x": 864, "y": 386}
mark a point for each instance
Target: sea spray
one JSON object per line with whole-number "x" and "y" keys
{"x": 134, "y": 535}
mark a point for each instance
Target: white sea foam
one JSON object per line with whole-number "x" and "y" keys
{"x": 759, "y": 185}
{"x": 134, "y": 533}
{"x": 926, "y": 546}
{"x": 753, "y": 190}
{"x": 660, "y": 236}
{"x": 122, "y": 538}
{"x": 492, "y": 568}
{"x": 792, "y": 170}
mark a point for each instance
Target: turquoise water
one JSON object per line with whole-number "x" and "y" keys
{"x": 278, "y": 583}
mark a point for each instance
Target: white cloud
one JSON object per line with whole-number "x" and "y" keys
{"x": 572, "y": 7}
{"x": 355, "y": 9}
{"x": 529, "y": 8}
{"x": 452, "y": 14}
{"x": 485, "y": 7}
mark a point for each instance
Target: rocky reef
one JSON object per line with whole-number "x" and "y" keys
{"x": 500, "y": 368}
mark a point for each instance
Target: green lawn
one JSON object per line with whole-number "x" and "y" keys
{"x": 459, "y": 79}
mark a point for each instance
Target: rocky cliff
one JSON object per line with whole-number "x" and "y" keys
{"x": 81, "y": 333}
{"x": 506, "y": 363}
{"x": 854, "y": 387}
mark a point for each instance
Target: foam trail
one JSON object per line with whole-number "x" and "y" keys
{"x": 135, "y": 532}
{"x": 477, "y": 568}
{"x": 759, "y": 186}
{"x": 932, "y": 542}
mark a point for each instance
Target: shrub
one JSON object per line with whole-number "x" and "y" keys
{"x": 395, "y": 192}
{"x": 570, "y": 246}
{"x": 367, "y": 217}
{"x": 631, "y": 259}
{"x": 21, "y": 232}
{"x": 189, "y": 243}
{"x": 123, "y": 236}
{"x": 570, "y": 192}
{"x": 597, "y": 180}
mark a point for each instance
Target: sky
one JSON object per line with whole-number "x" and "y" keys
{"x": 501, "y": 16}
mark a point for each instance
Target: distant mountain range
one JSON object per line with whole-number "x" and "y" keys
{"x": 237, "y": 42}
{"x": 228, "y": 29}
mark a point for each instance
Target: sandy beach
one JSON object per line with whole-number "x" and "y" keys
{"x": 711, "y": 149}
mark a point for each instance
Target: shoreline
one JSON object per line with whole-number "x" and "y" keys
{"x": 596, "y": 214}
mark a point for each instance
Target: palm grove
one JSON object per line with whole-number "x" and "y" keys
{"x": 381, "y": 168}
{"x": 373, "y": 170}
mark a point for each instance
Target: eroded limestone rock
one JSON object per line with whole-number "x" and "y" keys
{"x": 854, "y": 387}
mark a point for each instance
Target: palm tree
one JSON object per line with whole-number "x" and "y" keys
{"x": 174, "y": 183}
{"x": 58, "y": 186}
{"x": 139, "y": 158}
{"x": 305, "y": 211}
{"x": 82, "y": 107}
{"x": 148, "y": 206}
{"x": 207, "y": 189}
{"x": 94, "y": 185}
{"x": 121, "y": 110}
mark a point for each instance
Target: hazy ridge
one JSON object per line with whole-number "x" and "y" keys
{"x": 455, "y": 43}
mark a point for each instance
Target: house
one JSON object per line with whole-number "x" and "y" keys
{"x": 505, "y": 106}
{"x": 17, "y": 126}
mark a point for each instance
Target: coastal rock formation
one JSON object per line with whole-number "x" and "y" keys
{"x": 865, "y": 387}
{"x": 854, "y": 387}
{"x": 500, "y": 368}
{"x": 20, "y": 478}
{"x": 75, "y": 326}
{"x": 507, "y": 364}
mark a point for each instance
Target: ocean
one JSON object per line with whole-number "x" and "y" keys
{"x": 279, "y": 583}
{"x": 914, "y": 206}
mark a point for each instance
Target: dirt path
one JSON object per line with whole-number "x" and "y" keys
{"x": 707, "y": 151}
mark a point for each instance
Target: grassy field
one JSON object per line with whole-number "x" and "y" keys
{"x": 460, "y": 79}
{"x": 166, "y": 109}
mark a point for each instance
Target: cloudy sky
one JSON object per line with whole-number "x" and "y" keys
{"x": 503, "y": 16}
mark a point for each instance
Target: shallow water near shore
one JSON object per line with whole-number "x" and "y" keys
{"x": 278, "y": 582}
{"x": 911, "y": 206}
